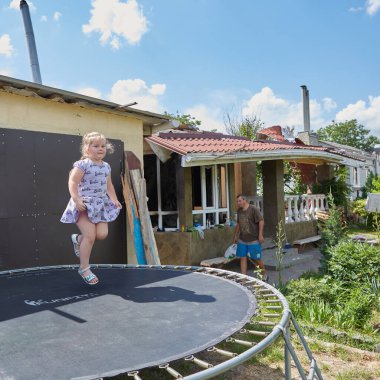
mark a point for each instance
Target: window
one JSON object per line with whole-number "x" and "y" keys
{"x": 355, "y": 176}
{"x": 210, "y": 194}
{"x": 161, "y": 191}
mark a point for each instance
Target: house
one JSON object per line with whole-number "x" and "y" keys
{"x": 359, "y": 164}
{"x": 40, "y": 135}
{"x": 192, "y": 180}
{"x": 193, "y": 177}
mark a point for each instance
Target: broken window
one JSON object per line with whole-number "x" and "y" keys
{"x": 161, "y": 191}
{"x": 210, "y": 195}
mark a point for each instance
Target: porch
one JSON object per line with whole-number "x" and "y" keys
{"x": 186, "y": 189}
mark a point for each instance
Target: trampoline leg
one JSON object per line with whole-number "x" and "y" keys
{"x": 287, "y": 358}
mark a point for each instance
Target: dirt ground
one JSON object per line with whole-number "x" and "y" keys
{"x": 336, "y": 363}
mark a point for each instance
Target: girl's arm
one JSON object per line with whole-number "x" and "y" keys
{"x": 75, "y": 177}
{"x": 111, "y": 193}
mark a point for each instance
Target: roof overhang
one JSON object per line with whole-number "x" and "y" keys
{"x": 306, "y": 156}
{"x": 32, "y": 89}
{"x": 300, "y": 156}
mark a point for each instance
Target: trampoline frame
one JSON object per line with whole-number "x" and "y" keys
{"x": 266, "y": 295}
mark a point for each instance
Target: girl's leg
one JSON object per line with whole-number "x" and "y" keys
{"x": 101, "y": 230}
{"x": 88, "y": 232}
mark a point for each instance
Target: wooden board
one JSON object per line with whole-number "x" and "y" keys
{"x": 138, "y": 187}
{"x": 133, "y": 217}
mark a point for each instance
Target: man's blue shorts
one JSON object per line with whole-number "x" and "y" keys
{"x": 251, "y": 250}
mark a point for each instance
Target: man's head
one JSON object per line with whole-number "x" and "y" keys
{"x": 241, "y": 201}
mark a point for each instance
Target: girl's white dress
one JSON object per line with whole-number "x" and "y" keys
{"x": 93, "y": 190}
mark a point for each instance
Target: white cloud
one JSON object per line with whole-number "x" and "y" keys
{"x": 367, "y": 114}
{"x": 43, "y": 18}
{"x": 372, "y": 7}
{"x": 5, "y": 72}
{"x": 211, "y": 118}
{"x": 355, "y": 9}
{"x": 329, "y": 104}
{"x": 114, "y": 18}
{"x": 90, "y": 91}
{"x": 15, "y": 4}
{"x": 274, "y": 110}
{"x": 136, "y": 90}
{"x": 57, "y": 16}
{"x": 6, "y": 47}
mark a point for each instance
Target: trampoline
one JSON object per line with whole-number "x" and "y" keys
{"x": 54, "y": 326}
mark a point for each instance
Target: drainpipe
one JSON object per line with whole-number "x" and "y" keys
{"x": 306, "y": 109}
{"x": 30, "y": 41}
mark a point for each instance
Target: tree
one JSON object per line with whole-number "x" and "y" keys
{"x": 184, "y": 119}
{"x": 349, "y": 133}
{"x": 246, "y": 126}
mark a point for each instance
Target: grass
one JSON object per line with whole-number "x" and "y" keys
{"x": 354, "y": 230}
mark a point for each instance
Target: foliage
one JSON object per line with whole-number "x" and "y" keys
{"x": 333, "y": 229}
{"x": 280, "y": 241}
{"x": 311, "y": 289}
{"x": 352, "y": 262}
{"x": 358, "y": 209}
{"x": 184, "y": 119}
{"x": 293, "y": 183}
{"x": 349, "y": 133}
{"x": 367, "y": 188}
{"x": 337, "y": 186}
{"x": 376, "y": 185}
{"x": 246, "y": 126}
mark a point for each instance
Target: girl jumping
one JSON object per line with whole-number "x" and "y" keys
{"x": 93, "y": 200}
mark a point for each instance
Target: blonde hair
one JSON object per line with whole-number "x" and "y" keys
{"x": 89, "y": 138}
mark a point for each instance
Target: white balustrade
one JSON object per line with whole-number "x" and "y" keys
{"x": 309, "y": 205}
{"x": 298, "y": 208}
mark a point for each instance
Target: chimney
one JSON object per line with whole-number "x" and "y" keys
{"x": 30, "y": 41}
{"x": 306, "y": 109}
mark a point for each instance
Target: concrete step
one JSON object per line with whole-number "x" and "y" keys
{"x": 290, "y": 257}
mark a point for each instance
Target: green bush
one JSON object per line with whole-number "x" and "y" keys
{"x": 305, "y": 290}
{"x": 358, "y": 209}
{"x": 333, "y": 230}
{"x": 353, "y": 263}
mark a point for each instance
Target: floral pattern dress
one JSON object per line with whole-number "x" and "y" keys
{"x": 93, "y": 190}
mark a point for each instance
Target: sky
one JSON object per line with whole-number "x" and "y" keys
{"x": 208, "y": 58}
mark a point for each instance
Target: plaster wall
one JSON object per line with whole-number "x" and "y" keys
{"x": 38, "y": 114}
{"x": 300, "y": 230}
{"x": 181, "y": 248}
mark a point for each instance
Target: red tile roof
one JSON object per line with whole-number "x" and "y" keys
{"x": 209, "y": 142}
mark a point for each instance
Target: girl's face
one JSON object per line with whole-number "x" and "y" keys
{"x": 97, "y": 150}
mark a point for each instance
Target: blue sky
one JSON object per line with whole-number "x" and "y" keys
{"x": 208, "y": 57}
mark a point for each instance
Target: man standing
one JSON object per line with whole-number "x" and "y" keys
{"x": 249, "y": 235}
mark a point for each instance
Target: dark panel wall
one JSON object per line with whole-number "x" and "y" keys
{"x": 34, "y": 169}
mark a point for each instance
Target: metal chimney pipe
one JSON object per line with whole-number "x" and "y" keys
{"x": 30, "y": 41}
{"x": 306, "y": 109}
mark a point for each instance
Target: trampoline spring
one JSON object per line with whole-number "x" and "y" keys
{"x": 268, "y": 295}
{"x": 241, "y": 342}
{"x": 171, "y": 371}
{"x": 135, "y": 375}
{"x": 254, "y": 332}
{"x": 273, "y": 307}
{"x": 222, "y": 352}
{"x": 265, "y": 323}
{"x": 271, "y": 315}
{"x": 265, "y": 290}
{"x": 199, "y": 362}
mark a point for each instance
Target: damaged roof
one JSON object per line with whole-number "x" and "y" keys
{"x": 35, "y": 90}
{"x": 196, "y": 147}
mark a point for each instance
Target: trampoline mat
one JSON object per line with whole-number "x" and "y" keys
{"x": 54, "y": 326}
